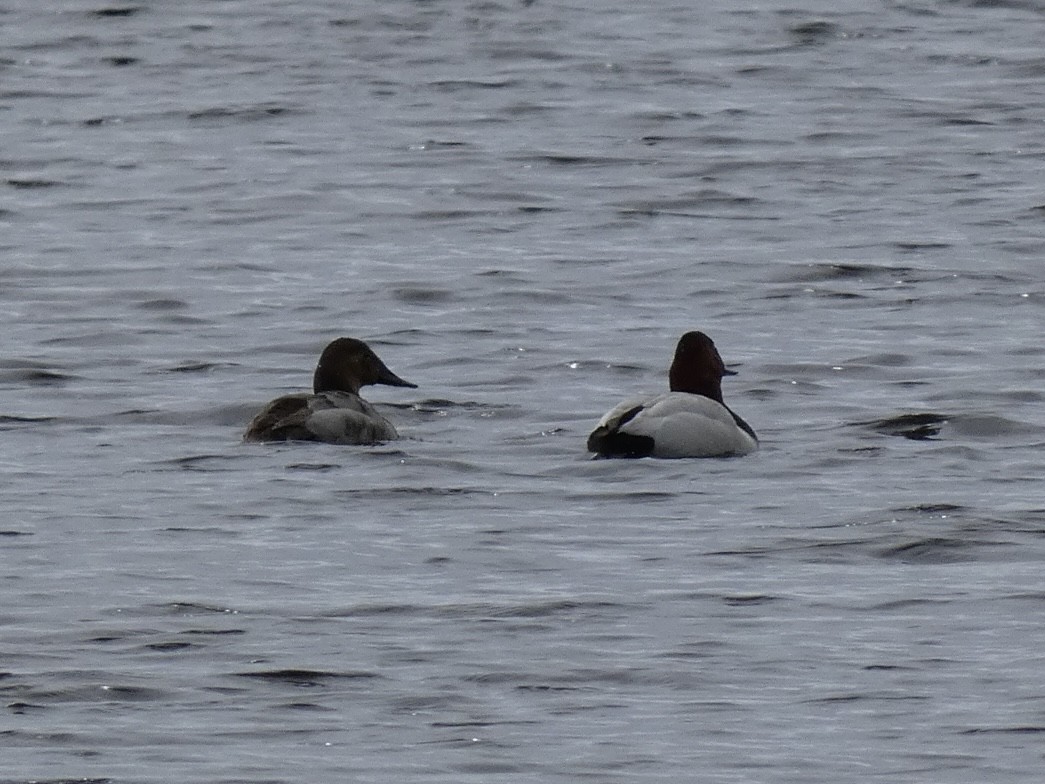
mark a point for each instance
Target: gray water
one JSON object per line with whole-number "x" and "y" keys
{"x": 521, "y": 206}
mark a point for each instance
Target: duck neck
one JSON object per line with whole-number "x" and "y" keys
{"x": 708, "y": 386}
{"x": 325, "y": 380}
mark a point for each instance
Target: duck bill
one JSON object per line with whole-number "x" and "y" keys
{"x": 387, "y": 377}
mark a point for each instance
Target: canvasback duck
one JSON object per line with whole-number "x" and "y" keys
{"x": 689, "y": 421}
{"x": 334, "y": 412}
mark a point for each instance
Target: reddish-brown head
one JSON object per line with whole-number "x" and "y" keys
{"x": 697, "y": 367}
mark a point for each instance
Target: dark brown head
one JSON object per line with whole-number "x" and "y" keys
{"x": 697, "y": 367}
{"x": 348, "y": 364}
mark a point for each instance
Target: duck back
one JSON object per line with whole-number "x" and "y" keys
{"x": 332, "y": 417}
{"x": 672, "y": 425}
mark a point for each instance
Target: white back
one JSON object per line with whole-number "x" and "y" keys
{"x": 685, "y": 425}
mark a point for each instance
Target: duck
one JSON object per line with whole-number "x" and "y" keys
{"x": 689, "y": 421}
{"x": 334, "y": 412}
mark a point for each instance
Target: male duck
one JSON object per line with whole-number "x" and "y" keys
{"x": 334, "y": 413}
{"x": 689, "y": 421}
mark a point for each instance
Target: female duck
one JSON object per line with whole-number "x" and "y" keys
{"x": 689, "y": 421}
{"x": 334, "y": 412}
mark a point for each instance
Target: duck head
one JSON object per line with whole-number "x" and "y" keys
{"x": 697, "y": 367}
{"x": 347, "y": 364}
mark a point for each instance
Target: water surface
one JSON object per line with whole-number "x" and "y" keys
{"x": 521, "y": 206}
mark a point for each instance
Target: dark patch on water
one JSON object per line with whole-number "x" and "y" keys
{"x": 192, "y": 608}
{"x": 934, "y": 550}
{"x": 1021, "y": 730}
{"x": 933, "y": 509}
{"x": 246, "y": 113}
{"x": 302, "y": 678}
{"x": 133, "y": 693}
{"x": 319, "y": 467}
{"x": 456, "y": 85}
{"x": 21, "y": 708}
{"x": 633, "y": 497}
{"x": 884, "y": 667}
{"x": 917, "y": 427}
{"x": 834, "y": 271}
{"x": 919, "y": 246}
{"x": 436, "y": 144}
{"x": 418, "y": 295}
{"x": 814, "y": 32}
{"x": 38, "y": 377}
{"x": 166, "y": 647}
{"x": 28, "y": 183}
{"x": 126, "y": 635}
{"x": 394, "y": 492}
{"x": 12, "y": 419}
{"x": 451, "y": 215}
{"x": 566, "y": 159}
{"x": 306, "y": 706}
{"x": 163, "y": 303}
{"x": 552, "y": 608}
{"x": 902, "y": 604}
{"x": 116, "y": 12}
{"x": 748, "y": 601}
{"x": 195, "y": 367}
{"x": 545, "y": 688}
